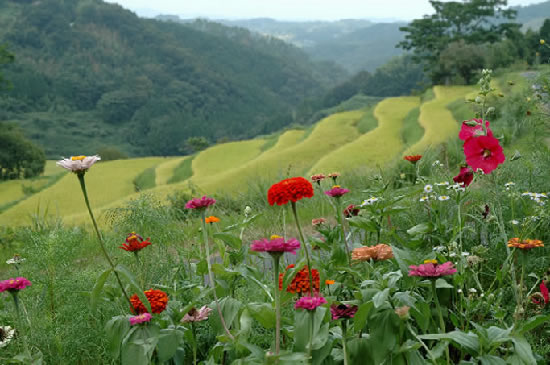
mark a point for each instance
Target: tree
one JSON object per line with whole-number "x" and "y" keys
{"x": 473, "y": 21}
{"x": 461, "y": 59}
{"x": 544, "y": 34}
{"x": 19, "y": 157}
{"x": 5, "y": 58}
{"x": 195, "y": 144}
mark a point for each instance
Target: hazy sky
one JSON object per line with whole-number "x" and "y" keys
{"x": 289, "y": 9}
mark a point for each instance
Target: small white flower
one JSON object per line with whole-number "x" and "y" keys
{"x": 452, "y": 254}
{"x": 527, "y": 193}
{"x": 424, "y": 199}
{"x": 439, "y": 248}
{"x": 370, "y": 201}
{"x": 78, "y": 163}
{"x": 510, "y": 184}
{"x": 456, "y": 187}
{"x": 436, "y": 163}
{"x": 443, "y": 198}
{"x": 473, "y": 290}
{"x": 247, "y": 210}
{"x": 428, "y": 189}
{"x": 459, "y": 291}
{"x": 465, "y": 254}
{"x": 444, "y": 183}
{"x": 514, "y": 222}
{"x": 482, "y": 295}
{"x": 6, "y": 335}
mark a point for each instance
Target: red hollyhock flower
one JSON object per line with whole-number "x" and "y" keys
{"x": 157, "y": 298}
{"x": 543, "y": 295}
{"x": 292, "y": 189}
{"x": 483, "y": 152}
{"x": 134, "y": 243}
{"x": 413, "y": 158}
{"x": 468, "y": 131}
{"x": 300, "y": 283}
{"x": 465, "y": 176}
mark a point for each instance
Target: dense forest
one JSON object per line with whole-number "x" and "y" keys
{"x": 88, "y": 74}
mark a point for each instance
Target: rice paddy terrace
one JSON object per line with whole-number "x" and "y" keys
{"x": 333, "y": 144}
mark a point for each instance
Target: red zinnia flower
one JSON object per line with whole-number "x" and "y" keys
{"x": 543, "y": 295}
{"x": 351, "y": 211}
{"x": 292, "y": 189}
{"x": 343, "y": 311}
{"x": 469, "y": 129}
{"x": 465, "y": 176}
{"x": 300, "y": 283}
{"x": 413, "y": 158}
{"x": 483, "y": 152}
{"x": 134, "y": 243}
{"x": 157, "y": 298}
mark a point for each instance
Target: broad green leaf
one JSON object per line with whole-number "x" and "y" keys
{"x": 263, "y": 313}
{"x": 468, "y": 341}
{"x": 443, "y": 284}
{"x": 523, "y": 350}
{"x": 381, "y": 297}
{"x": 232, "y": 241}
{"x": 491, "y": 360}
{"x": 116, "y": 329}
{"x": 98, "y": 287}
{"x": 533, "y": 323}
{"x": 420, "y": 229}
{"x": 360, "y": 318}
{"x": 496, "y": 335}
{"x": 167, "y": 345}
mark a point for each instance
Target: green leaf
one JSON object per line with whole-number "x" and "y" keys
{"x": 98, "y": 287}
{"x": 533, "y": 323}
{"x": 232, "y": 241}
{"x": 263, "y": 313}
{"x": 125, "y": 273}
{"x": 443, "y": 284}
{"x": 381, "y": 297}
{"x": 496, "y": 335}
{"x": 167, "y": 345}
{"x": 360, "y": 318}
{"x": 116, "y": 329}
{"x": 523, "y": 350}
{"x": 491, "y": 360}
{"x": 468, "y": 341}
{"x": 420, "y": 229}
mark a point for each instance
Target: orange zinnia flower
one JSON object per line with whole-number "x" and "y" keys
{"x": 329, "y": 282}
{"x": 211, "y": 219}
{"x": 300, "y": 283}
{"x": 413, "y": 158}
{"x": 377, "y": 253}
{"x": 525, "y": 244}
{"x": 157, "y": 298}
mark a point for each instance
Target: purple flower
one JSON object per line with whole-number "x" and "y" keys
{"x": 144, "y": 317}
{"x": 197, "y": 315}
{"x": 200, "y": 203}
{"x": 336, "y": 191}
{"x": 309, "y": 303}
{"x": 343, "y": 311}
{"x": 14, "y": 285}
{"x": 431, "y": 269}
{"x": 276, "y": 244}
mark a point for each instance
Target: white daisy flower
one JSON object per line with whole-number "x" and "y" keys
{"x": 369, "y": 201}
{"x": 78, "y": 163}
{"x": 515, "y": 222}
{"x": 428, "y": 189}
{"x": 443, "y": 198}
{"x": 444, "y": 183}
{"x": 6, "y": 335}
{"x": 527, "y": 193}
{"x": 424, "y": 199}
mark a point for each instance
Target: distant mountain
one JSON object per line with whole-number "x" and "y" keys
{"x": 90, "y": 74}
{"x": 532, "y": 16}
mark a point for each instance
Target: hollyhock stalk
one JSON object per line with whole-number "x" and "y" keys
{"x": 310, "y": 268}
{"x": 80, "y": 175}
{"x": 211, "y": 275}
{"x": 441, "y": 321}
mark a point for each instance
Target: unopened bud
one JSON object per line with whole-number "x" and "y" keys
{"x": 403, "y": 312}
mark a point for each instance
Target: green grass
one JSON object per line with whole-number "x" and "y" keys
{"x": 165, "y": 171}
{"x": 145, "y": 180}
{"x": 368, "y": 122}
{"x": 412, "y": 131}
{"x": 379, "y": 146}
{"x": 182, "y": 171}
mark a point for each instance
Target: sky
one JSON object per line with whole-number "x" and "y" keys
{"x": 289, "y": 9}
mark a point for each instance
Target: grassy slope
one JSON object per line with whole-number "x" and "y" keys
{"x": 165, "y": 170}
{"x": 110, "y": 181}
{"x": 437, "y": 121}
{"x": 376, "y": 147}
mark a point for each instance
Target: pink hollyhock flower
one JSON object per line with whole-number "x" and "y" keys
{"x": 200, "y": 203}
{"x": 430, "y": 269}
{"x": 468, "y": 131}
{"x": 465, "y": 176}
{"x": 483, "y": 153}
{"x": 336, "y": 191}
{"x": 144, "y": 317}
{"x": 309, "y": 303}
{"x": 343, "y": 311}
{"x": 78, "y": 164}
{"x": 14, "y": 285}
{"x": 276, "y": 244}
{"x": 197, "y": 315}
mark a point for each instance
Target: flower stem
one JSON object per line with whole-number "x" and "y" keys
{"x": 193, "y": 332}
{"x": 310, "y": 348}
{"x": 211, "y": 275}
{"x": 310, "y": 269}
{"x": 276, "y": 259}
{"x": 99, "y": 237}
{"x": 342, "y": 223}
{"x": 441, "y": 321}
{"x": 20, "y": 322}
{"x": 344, "y": 344}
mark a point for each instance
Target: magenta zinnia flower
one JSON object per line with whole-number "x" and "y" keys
{"x": 343, "y": 311}
{"x": 469, "y": 131}
{"x": 195, "y": 315}
{"x": 144, "y": 317}
{"x": 465, "y": 176}
{"x": 200, "y": 203}
{"x": 483, "y": 153}
{"x": 14, "y": 285}
{"x": 431, "y": 269}
{"x": 276, "y": 244}
{"x": 309, "y": 303}
{"x": 336, "y": 191}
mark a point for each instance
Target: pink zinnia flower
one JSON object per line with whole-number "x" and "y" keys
{"x": 144, "y": 317}
{"x": 483, "y": 153}
{"x": 200, "y": 203}
{"x": 430, "y": 269}
{"x": 197, "y": 315}
{"x": 309, "y": 303}
{"x": 276, "y": 244}
{"x": 469, "y": 131}
{"x": 336, "y": 191}
{"x": 318, "y": 221}
{"x": 343, "y": 311}
{"x": 14, "y": 285}
{"x": 317, "y": 178}
{"x": 78, "y": 164}
{"x": 465, "y": 176}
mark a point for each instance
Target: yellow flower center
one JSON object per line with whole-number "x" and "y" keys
{"x": 274, "y": 236}
{"x": 430, "y": 262}
{"x": 77, "y": 158}
{"x": 336, "y": 186}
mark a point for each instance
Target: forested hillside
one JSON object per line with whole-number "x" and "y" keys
{"x": 89, "y": 74}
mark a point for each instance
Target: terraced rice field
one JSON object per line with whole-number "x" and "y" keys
{"x": 165, "y": 170}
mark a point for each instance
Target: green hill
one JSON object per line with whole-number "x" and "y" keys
{"x": 91, "y": 74}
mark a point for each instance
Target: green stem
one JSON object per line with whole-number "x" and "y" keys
{"x": 211, "y": 275}
{"x": 310, "y": 269}
{"x": 20, "y": 322}
{"x": 276, "y": 259}
{"x": 193, "y": 332}
{"x": 310, "y": 348}
{"x": 99, "y": 237}
{"x": 441, "y": 321}
{"x": 344, "y": 344}
{"x": 340, "y": 216}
